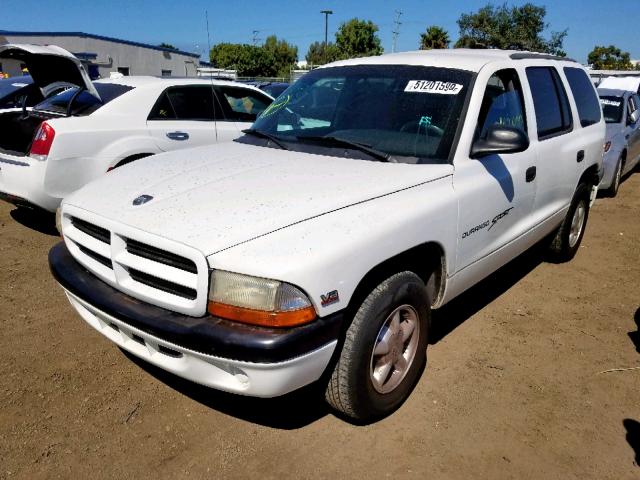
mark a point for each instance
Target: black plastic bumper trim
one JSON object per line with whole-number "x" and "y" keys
{"x": 209, "y": 335}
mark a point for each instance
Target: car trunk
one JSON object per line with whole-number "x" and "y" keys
{"x": 17, "y": 131}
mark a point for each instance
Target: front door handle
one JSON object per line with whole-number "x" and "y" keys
{"x": 531, "y": 174}
{"x": 178, "y": 136}
{"x": 580, "y": 156}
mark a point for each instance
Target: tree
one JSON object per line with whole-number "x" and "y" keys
{"x": 248, "y": 60}
{"x": 357, "y": 38}
{"x": 434, "y": 37}
{"x": 609, "y": 58}
{"x": 167, "y": 45}
{"x": 316, "y": 54}
{"x": 285, "y": 54}
{"x": 511, "y": 28}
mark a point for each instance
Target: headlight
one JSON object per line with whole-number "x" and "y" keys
{"x": 258, "y": 301}
{"x": 607, "y": 146}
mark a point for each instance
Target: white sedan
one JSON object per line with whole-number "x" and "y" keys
{"x": 75, "y": 136}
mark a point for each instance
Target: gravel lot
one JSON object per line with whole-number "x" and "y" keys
{"x": 513, "y": 388}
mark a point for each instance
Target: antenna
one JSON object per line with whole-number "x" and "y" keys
{"x": 396, "y": 29}
{"x": 214, "y": 97}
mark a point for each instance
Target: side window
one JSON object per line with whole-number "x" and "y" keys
{"x": 186, "y": 103}
{"x": 502, "y": 103}
{"x": 550, "y": 102}
{"x": 245, "y": 104}
{"x": 584, "y": 95}
{"x": 162, "y": 110}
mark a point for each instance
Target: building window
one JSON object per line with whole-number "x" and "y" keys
{"x": 124, "y": 71}
{"x": 166, "y": 73}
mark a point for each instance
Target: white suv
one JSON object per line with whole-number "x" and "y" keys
{"x": 315, "y": 247}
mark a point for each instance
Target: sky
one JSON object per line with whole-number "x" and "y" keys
{"x": 183, "y": 23}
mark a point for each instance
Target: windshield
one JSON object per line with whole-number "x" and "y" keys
{"x": 84, "y": 103}
{"x": 612, "y": 108}
{"x": 409, "y": 112}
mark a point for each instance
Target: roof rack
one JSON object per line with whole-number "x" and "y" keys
{"x": 543, "y": 56}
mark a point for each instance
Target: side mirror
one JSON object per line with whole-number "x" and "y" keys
{"x": 634, "y": 116}
{"x": 500, "y": 139}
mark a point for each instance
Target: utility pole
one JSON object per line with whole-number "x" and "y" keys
{"x": 255, "y": 37}
{"x": 326, "y": 30}
{"x": 396, "y": 29}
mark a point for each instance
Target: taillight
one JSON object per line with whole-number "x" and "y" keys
{"x": 42, "y": 141}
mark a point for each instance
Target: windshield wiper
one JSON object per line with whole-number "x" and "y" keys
{"x": 268, "y": 136}
{"x": 331, "y": 141}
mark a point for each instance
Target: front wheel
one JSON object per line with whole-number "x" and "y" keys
{"x": 384, "y": 350}
{"x": 568, "y": 237}
{"x": 615, "y": 184}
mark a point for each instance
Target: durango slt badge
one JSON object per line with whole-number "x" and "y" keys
{"x": 142, "y": 199}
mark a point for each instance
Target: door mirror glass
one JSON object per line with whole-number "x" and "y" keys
{"x": 634, "y": 116}
{"x": 500, "y": 139}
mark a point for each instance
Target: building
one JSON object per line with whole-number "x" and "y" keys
{"x": 103, "y": 55}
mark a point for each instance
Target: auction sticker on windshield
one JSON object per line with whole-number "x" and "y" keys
{"x": 612, "y": 103}
{"x": 433, "y": 86}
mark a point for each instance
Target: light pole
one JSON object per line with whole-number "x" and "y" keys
{"x": 326, "y": 30}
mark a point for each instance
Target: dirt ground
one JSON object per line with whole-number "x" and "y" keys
{"x": 514, "y": 388}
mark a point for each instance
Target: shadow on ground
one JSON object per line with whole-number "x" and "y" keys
{"x": 289, "y": 412}
{"x": 38, "y": 220}
{"x": 633, "y": 436}
{"x": 455, "y": 313}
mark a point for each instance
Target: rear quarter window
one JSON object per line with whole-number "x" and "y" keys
{"x": 585, "y": 96}
{"x": 550, "y": 102}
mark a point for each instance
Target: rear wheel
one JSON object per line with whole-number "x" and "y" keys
{"x": 568, "y": 237}
{"x": 384, "y": 350}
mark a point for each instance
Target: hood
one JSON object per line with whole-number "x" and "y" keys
{"x": 50, "y": 66}
{"x": 215, "y": 197}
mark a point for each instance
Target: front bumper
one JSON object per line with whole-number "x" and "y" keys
{"x": 211, "y": 351}
{"x": 22, "y": 183}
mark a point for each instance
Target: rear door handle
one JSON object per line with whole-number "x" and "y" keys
{"x": 580, "y": 156}
{"x": 531, "y": 174}
{"x": 178, "y": 136}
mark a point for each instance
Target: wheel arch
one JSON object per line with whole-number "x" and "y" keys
{"x": 426, "y": 260}
{"x": 131, "y": 158}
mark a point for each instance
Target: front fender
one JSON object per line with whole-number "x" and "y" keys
{"x": 335, "y": 251}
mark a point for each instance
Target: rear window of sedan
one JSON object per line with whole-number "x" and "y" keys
{"x": 84, "y": 103}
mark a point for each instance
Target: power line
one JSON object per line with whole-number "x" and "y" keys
{"x": 255, "y": 38}
{"x": 396, "y": 30}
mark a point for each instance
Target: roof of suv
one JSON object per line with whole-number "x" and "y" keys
{"x": 462, "y": 58}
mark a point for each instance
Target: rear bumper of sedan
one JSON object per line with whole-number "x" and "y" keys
{"x": 22, "y": 183}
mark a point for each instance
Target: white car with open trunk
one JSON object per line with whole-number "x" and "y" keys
{"x": 315, "y": 246}
{"x": 67, "y": 140}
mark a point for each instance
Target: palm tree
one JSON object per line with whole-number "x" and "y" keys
{"x": 434, "y": 37}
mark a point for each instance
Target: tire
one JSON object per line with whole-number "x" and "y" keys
{"x": 615, "y": 183}
{"x": 357, "y": 387}
{"x": 568, "y": 237}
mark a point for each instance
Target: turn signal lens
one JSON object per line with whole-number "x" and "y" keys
{"x": 42, "y": 142}
{"x": 258, "y": 301}
{"x": 607, "y": 146}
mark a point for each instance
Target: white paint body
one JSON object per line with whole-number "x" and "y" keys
{"x": 322, "y": 223}
{"x": 86, "y": 147}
